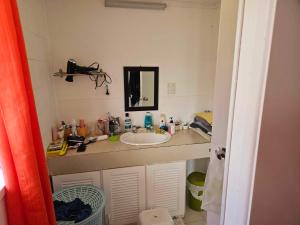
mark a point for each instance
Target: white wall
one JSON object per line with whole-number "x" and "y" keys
{"x": 182, "y": 41}
{"x": 34, "y": 25}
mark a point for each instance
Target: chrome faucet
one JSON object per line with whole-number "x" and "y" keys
{"x": 134, "y": 129}
{"x": 150, "y": 128}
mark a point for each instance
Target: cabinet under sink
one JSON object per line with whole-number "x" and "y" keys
{"x": 130, "y": 190}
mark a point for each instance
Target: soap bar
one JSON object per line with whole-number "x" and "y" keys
{"x": 101, "y": 138}
{"x": 114, "y": 138}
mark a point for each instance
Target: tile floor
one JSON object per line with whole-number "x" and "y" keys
{"x": 194, "y": 217}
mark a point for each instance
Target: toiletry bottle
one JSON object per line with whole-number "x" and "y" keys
{"x": 171, "y": 128}
{"x": 82, "y": 129}
{"x": 114, "y": 126}
{"x": 163, "y": 117}
{"x": 74, "y": 128}
{"x": 162, "y": 120}
{"x": 162, "y": 124}
{"x": 54, "y": 133}
{"x": 127, "y": 123}
{"x": 148, "y": 120}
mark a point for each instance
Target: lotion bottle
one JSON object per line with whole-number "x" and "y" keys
{"x": 171, "y": 127}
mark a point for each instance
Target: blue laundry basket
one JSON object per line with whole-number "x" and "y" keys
{"x": 89, "y": 194}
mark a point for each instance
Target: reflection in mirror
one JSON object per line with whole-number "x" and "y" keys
{"x": 141, "y": 88}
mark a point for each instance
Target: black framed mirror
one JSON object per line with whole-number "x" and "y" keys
{"x": 141, "y": 88}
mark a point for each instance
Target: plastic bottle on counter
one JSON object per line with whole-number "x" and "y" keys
{"x": 171, "y": 127}
{"x": 127, "y": 123}
{"x": 148, "y": 120}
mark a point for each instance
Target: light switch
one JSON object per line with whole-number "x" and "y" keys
{"x": 171, "y": 88}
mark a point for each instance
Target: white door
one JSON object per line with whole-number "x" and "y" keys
{"x": 124, "y": 189}
{"x": 254, "y": 37}
{"x": 222, "y": 93}
{"x": 242, "y": 65}
{"x": 166, "y": 187}
{"x": 68, "y": 180}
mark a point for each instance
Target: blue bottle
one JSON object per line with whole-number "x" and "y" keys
{"x": 148, "y": 120}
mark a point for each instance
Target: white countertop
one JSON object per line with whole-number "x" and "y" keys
{"x": 184, "y": 145}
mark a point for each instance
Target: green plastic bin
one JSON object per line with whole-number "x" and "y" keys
{"x": 195, "y": 185}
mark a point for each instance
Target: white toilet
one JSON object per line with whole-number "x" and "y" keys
{"x": 157, "y": 216}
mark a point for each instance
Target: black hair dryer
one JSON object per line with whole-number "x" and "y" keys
{"x": 73, "y": 68}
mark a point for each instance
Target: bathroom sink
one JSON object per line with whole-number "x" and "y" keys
{"x": 144, "y": 138}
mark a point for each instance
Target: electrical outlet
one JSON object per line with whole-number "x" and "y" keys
{"x": 171, "y": 88}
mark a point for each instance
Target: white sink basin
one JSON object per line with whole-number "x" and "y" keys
{"x": 144, "y": 138}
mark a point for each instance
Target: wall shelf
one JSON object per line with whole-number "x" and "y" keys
{"x": 99, "y": 77}
{"x": 61, "y": 73}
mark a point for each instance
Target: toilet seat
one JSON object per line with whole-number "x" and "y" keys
{"x": 156, "y": 216}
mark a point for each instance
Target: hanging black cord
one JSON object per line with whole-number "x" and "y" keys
{"x": 94, "y": 63}
{"x": 95, "y": 77}
{"x": 106, "y": 79}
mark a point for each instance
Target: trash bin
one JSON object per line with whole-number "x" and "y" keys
{"x": 195, "y": 186}
{"x": 89, "y": 194}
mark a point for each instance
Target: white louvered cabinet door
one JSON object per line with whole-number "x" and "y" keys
{"x": 63, "y": 181}
{"x": 166, "y": 187}
{"x": 125, "y": 194}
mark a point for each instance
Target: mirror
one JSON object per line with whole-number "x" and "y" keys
{"x": 141, "y": 88}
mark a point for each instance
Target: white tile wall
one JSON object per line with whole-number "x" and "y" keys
{"x": 181, "y": 41}
{"x": 35, "y": 31}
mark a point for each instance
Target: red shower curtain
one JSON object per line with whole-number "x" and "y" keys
{"x": 28, "y": 194}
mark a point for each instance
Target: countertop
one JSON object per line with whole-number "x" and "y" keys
{"x": 184, "y": 145}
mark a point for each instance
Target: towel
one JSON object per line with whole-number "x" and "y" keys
{"x": 202, "y": 124}
{"x": 75, "y": 210}
{"x": 213, "y": 186}
{"x": 207, "y": 115}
